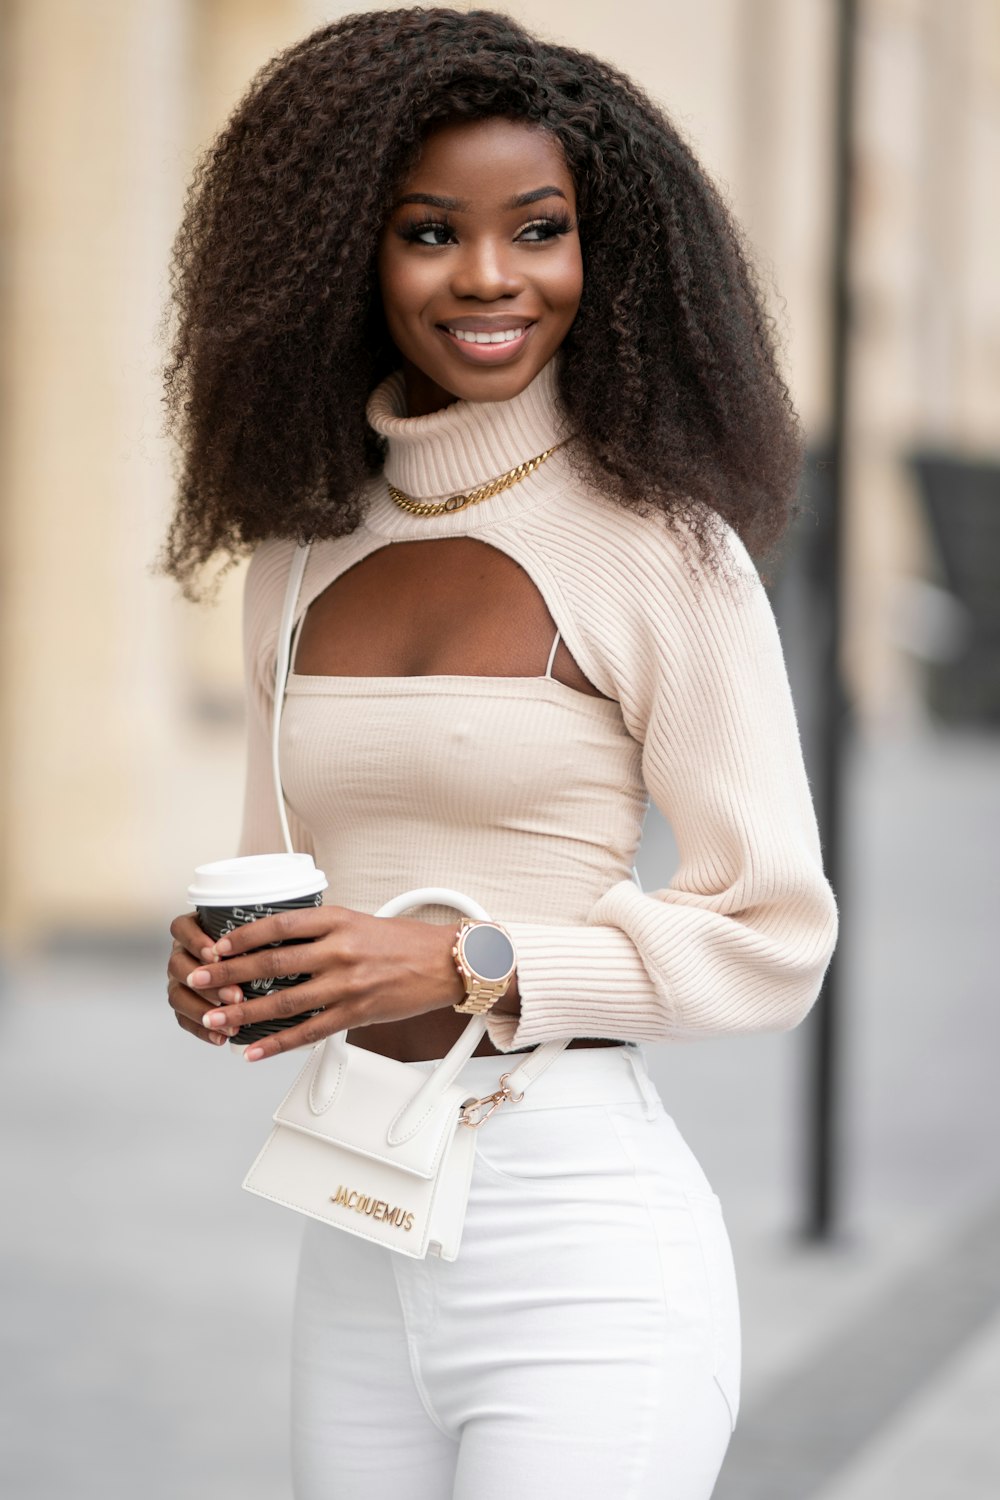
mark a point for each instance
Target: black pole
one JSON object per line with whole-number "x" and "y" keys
{"x": 833, "y": 727}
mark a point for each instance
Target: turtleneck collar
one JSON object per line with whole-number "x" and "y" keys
{"x": 462, "y": 446}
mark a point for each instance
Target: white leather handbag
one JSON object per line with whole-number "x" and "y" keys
{"x": 364, "y": 1143}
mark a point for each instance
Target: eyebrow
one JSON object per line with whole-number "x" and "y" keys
{"x": 459, "y": 206}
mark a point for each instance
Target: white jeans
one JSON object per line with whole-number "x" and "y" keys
{"x": 585, "y": 1343}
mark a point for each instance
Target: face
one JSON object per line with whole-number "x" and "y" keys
{"x": 479, "y": 263}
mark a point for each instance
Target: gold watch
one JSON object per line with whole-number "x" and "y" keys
{"x": 484, "y": 956}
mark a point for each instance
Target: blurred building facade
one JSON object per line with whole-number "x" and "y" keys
{"x": 120, "y": 706}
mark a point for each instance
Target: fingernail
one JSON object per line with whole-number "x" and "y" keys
{"x": 231, "y": 992}
{"x": 214, "y": 1018}
{"x": 199, "y": 977}
{"x": 210, "y": 955}
{"x": 213, "y": 1036}
{"x": 254, "y": 1054}
{"x": 223, "y": 946}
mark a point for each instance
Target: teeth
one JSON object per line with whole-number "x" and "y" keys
{"x": 507, "y": 337}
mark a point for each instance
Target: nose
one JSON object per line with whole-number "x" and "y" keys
{"x": 486, "y": 269}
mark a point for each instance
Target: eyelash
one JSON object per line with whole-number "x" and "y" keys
{"x": 557, "y": 223}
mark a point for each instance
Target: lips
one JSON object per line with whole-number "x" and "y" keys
{"x": 486, "y": 340}
{"x": 496, "y": 323}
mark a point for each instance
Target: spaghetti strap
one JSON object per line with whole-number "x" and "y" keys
{"x": 552, "y": 655}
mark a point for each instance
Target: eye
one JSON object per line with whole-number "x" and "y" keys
{"x": 540, "y": 230}
{"x": 430, "y": 232}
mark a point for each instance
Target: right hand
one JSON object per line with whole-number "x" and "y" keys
{"x": 192, "y": 949}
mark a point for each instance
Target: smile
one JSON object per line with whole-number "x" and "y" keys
{"x": 486, "y": 348}
{"x": 506, "y": 337}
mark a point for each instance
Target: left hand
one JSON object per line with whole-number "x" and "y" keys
{"x": 363, "y": 970}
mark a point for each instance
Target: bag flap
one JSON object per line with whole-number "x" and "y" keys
{"x": 371, "y": 1093}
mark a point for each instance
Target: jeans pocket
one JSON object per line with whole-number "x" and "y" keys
{"x": 720, "y": 1273}
{"x": 541, "y": 1149}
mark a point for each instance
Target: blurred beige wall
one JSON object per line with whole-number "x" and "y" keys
{"x": 119, "y": 706}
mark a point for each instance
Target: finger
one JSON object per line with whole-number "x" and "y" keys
{"x": 285, "y": 926}
{"x": 279, "y": 1005}
{"x": 180, "y": 948}
{"x": 191, "y": 1007}
{"x": 270, "y": 963}
{"x": 185, "y": 930}
{"x": 179, "y": 967}
{"x": 312, "y": 1030}
{"x": 216, "y": 1038}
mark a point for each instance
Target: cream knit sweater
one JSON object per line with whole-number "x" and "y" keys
{"x": 739, "y": 938}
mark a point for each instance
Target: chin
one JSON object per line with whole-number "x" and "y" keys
{"x": 489, "y": 385}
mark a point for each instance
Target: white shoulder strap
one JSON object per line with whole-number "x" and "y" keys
{"x": 281, "y": 664}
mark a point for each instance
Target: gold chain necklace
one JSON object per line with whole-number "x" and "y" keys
{"x": 483, "y": 492}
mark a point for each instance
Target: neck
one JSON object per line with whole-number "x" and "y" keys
{"x": 423, "y": 395}
{"x": 463, "y": 444}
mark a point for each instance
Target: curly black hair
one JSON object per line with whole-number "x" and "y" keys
{"x": 669, "y": 374}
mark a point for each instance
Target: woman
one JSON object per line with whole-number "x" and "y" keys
{"x": 428, "y": 253}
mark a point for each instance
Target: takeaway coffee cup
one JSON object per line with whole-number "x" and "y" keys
{"x": 232, "y": 892}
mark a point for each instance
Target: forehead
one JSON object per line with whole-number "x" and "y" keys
{"x": 486, "y": 160}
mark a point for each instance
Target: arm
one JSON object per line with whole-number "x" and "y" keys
{"x": 261, "y": 830}
{"x": 740, "y": 938}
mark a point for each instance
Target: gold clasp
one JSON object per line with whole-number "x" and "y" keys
{"x": 471, "y": 1115}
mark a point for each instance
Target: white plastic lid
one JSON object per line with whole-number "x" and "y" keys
{"x": 255, "y": 880}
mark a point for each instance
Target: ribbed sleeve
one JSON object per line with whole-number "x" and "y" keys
{"x": 740, "y": 937}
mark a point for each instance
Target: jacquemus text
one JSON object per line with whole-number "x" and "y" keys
{"x": 375, "y": 1208}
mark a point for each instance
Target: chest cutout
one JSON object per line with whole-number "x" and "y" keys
{"x": 450, "y": 606}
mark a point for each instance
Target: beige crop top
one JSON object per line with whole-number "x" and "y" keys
{"x": 396, "y": 782}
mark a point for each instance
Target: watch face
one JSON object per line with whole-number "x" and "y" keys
{"x": 488, "y": 951}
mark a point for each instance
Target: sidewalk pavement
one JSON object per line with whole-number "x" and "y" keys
{"x": 146, "y": 1299}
